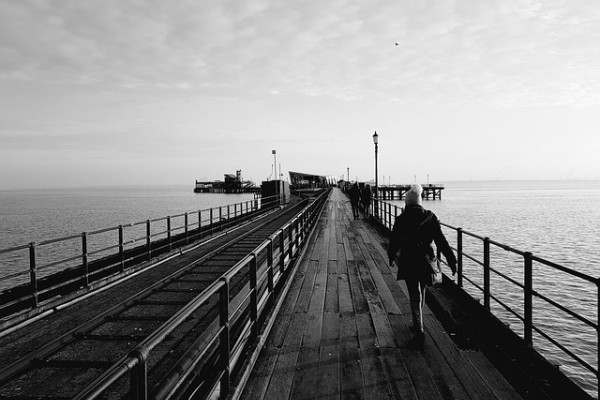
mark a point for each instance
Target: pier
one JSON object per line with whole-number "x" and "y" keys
{"x": 397, "y": 192}
{"x": 343, "y": 332}
{"x": 293, "y": 302}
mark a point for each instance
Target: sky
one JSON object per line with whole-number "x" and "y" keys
{"x": 140, "y": 92}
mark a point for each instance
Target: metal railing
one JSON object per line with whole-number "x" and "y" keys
{"x": 45, "y": 270}
{"x": 208, "y": 365}
{"x": 500, "y": 267}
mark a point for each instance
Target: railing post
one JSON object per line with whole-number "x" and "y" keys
{"x": 138, "y": 379}
{"x": 528, "y": 301}
{"x": 291, "y": 240}
{"x": 200, "y": 224}
{"x": 270, "y": 284}
{"x": 281, "y": 252}
{"x": 224, "y": 337}
{"x": 297, "y": 229}
{"x": 459, "y": 255}
{"x": 148, "y": 239}
{"x": 228, "y": 214}
{"x": 33, "y": 275}
{"x": 253, "y": 297}
{"x": 121, "y": 249}
{"x": 390, "y": 215}
{"x": 169, "y": 231}
{"x": 84, "y": 259}
{"x": 486, "y": 273}
{"x": 186, "y": 228}
{"x": 221, "y": 218}
{"x": 211, "y": 222}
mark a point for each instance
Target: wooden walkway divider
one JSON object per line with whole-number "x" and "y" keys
{"x": 342, "y": 331}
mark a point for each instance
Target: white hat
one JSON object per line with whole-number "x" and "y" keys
{"x": 413, "y": 196}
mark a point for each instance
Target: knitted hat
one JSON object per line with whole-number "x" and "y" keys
{"x": 413, "y": 196}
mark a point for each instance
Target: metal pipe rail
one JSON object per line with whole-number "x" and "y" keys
{"x": 388, "y": 214}
{"x": 44, "y": 276}
{"x": 219, "y": 347}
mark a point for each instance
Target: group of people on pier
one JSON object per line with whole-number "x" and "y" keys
{"x": 410, "y": 248}
{"x": 359, "y": 198}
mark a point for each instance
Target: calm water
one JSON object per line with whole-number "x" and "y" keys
{"x": 35, "y": 215}
{"x": 555, "y": 220}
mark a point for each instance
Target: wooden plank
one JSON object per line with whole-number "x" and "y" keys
{"x": 374, "y": 375}
{"x": 324, "y": 253}
{"x": 491, "y": 376}
{"x": 358, "y": 297}
{"x": 304, "y": 385}
{"x": 314, "y": 315}
{"x": 333, "y": 241}
{"x": 341, "y": 252}
{"x": 366, "y": 331}
{"x": 443, "y": 370}
{"x": 399, "y": 380}
{"x": 280, "y": 384}
{"x": 329, "y": 363}
{"x": 281, "y": 325}
{"x": 378, "y": 314}
{"x": 382, "y": 289}
{"x": 351, "y": 374}
{"x": 295, "y": 332}
{"x": 332, "y": 267}
{"x": 378, "y": 254}
{"x": 305, "y": 295}
{"x": 399, "y": 293}
{"x": 417, "y": 368}
{"x": 348, "y": 249}
{"x": 350, "y": 365}
{"x": 345, "y": 296}
{"x": 364, "y": 235}
{"x": 261, "y": 374}
{"x": 332, "y": 293}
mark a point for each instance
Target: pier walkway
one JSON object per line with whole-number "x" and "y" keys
{"x": 342, "y": 331}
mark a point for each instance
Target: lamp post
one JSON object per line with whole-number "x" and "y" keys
{"x": 274, "y": 152}
{"x": 375, "y": 203}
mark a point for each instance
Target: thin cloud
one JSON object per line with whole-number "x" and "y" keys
{"x": 518, "y": 52}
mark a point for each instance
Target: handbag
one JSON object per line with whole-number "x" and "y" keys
{"x": 435, "y": 270}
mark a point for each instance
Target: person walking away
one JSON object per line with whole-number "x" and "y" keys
{"x": 366, "y": 200}
{"x": 413, "y": 232}
{"x": 354, "y": 194}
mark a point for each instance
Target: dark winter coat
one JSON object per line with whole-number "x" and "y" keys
{"x": 366, "y": 196}
{"x": 354, "y": 194}
{"x": 414, "y": 231}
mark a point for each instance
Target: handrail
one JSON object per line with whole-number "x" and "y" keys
{"x": 135, "y": 363}
{"x": 386, "y": 215}
{"x": 52, "y": 265}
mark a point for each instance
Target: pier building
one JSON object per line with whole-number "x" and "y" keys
{"x": 230, "y": 184}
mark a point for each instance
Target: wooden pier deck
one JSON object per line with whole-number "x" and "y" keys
{"x": 342, "y": 331}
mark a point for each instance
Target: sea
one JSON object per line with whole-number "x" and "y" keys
{"x": 556, "y": 220}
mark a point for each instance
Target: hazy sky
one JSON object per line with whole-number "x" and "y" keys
{"x": 103, "y": 92}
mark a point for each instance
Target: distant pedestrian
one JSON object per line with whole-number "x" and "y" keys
{"x": 354, "y": 194}
{"x": 413, "y": 232}
{"x": 366, "y": 200}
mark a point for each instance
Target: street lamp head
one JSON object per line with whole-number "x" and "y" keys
{"x": 375, "y": 137}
